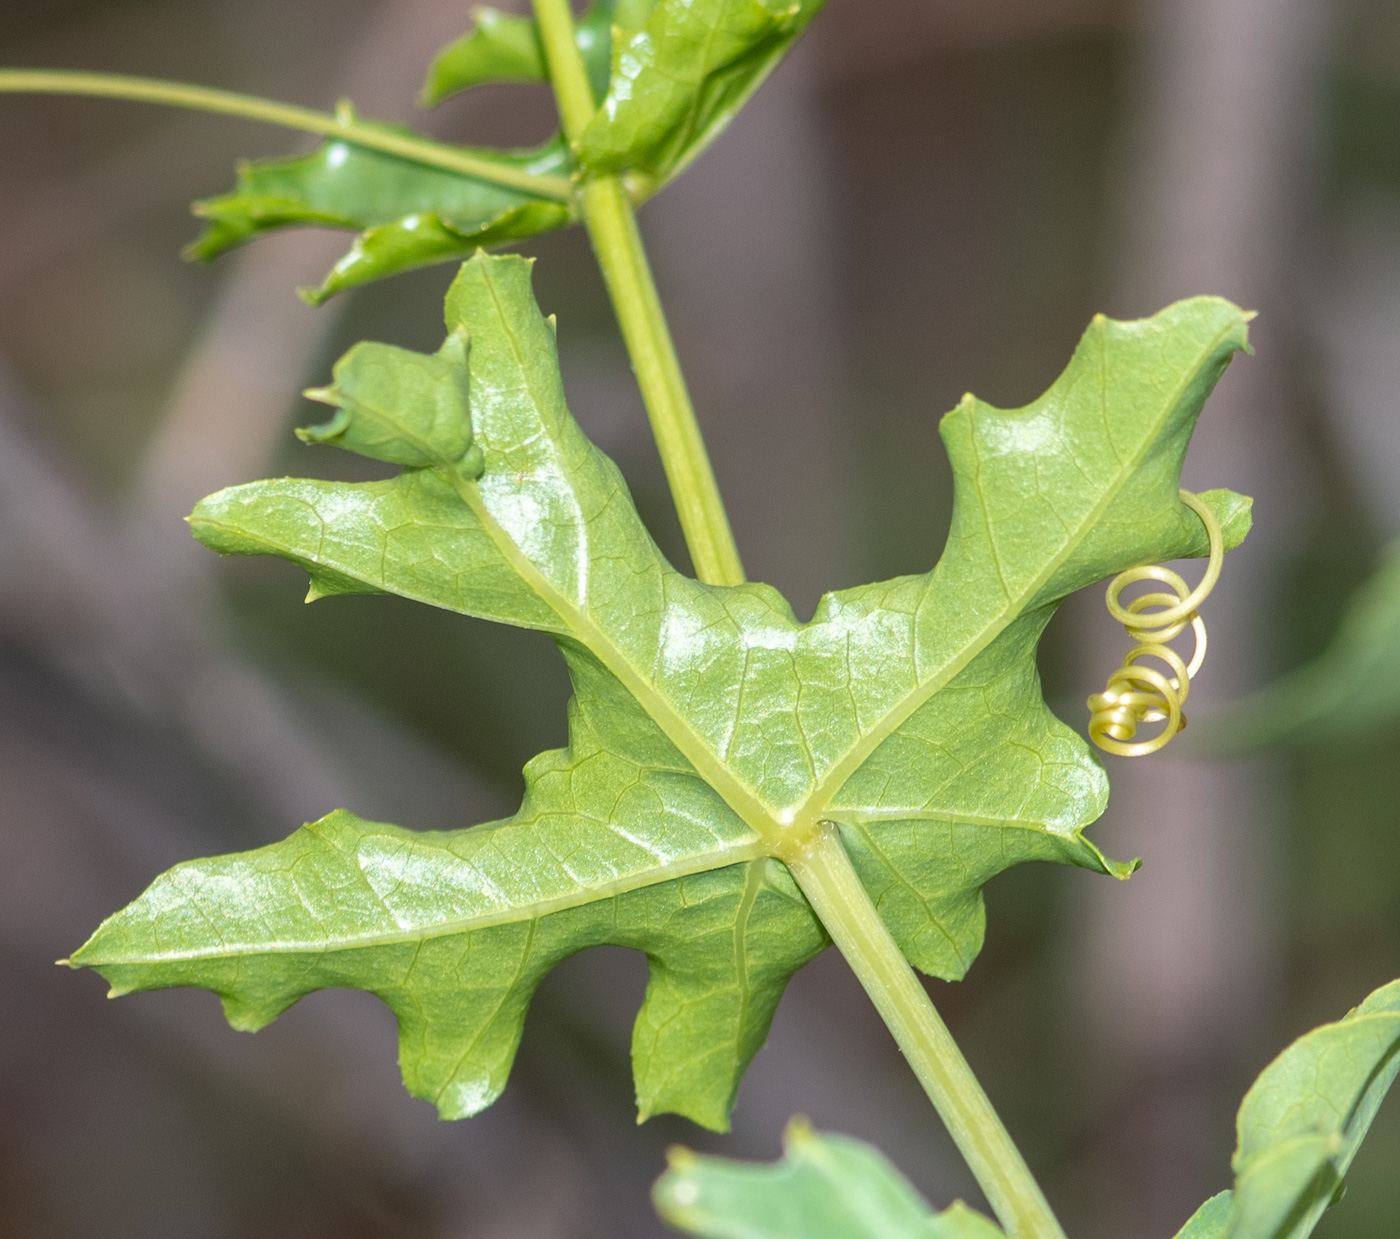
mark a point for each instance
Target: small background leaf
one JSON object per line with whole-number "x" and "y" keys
{"x": 1301, "y": 1124}
{"x": 1354, "y": 685}
{"x": 825, "y": 1187}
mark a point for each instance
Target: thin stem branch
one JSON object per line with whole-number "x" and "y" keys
{"x": 617, "y": 242}
{"x": 612, "y": 227}
{"x": 250, "y": 107}
{"x": 827, "y": 878}
{"x": 822, "y": 867}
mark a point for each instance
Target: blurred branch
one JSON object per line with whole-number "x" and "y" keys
{"x": 875, "y": 36}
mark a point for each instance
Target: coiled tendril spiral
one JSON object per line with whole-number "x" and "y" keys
{"x": 1137, "y": 694}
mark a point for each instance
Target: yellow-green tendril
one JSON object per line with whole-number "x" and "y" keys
{"x": 1136, "y": 694}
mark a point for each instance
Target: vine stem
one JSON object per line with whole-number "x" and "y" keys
{"x": 617, "y": 243}
{"x": 820, "y": 865}
{"x": 824, "y": 872}
{"x": 270, "y": 111}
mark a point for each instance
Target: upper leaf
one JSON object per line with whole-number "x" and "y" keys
{"x": 674, "y": 76}
{"x": 506, "y": 47}
{"x": 502, "y": 47}
{"x": 408, "y": 215}
{"x": 1354, "y": 684}
{"x": 678, "y": 79}
{"x": 1301, "y": 1123}
{"x": 826, "y": 1187}
{"x": 709, "y": 731}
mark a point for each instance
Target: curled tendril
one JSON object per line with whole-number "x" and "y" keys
{"x": 1137, "y": 694}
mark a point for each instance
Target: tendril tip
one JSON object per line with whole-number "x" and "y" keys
{"x": 1138, "y": 694}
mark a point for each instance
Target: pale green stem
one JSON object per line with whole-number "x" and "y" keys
{"x": 617, "y": 242}
{"x": 821, "y": 867}
{"x": 827, "y": 878}
{"x": 250, "y": 107}
{"x": 612, "y": 226}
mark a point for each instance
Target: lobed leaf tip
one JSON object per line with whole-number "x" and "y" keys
{"x": 322, "y": 395}
{"x": 798, "y": 1132}
{"x": 678, "y": 1157}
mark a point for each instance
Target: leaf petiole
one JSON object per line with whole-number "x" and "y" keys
{"x": 827, "y": 878}
{"x": 270, "y": 111}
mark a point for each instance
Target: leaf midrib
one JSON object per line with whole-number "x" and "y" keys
{"x": 688, "y": 866}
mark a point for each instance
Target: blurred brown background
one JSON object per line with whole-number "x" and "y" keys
{"x": 931, "y": 196}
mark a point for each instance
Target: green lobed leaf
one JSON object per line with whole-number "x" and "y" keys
{"x": 402, "y": 407}
{"x": 1353, "y": 685}
{"x": 1301, "y": 1123}
{"x": 1210, "y": 1220}
{"x": 679, "y": 76}
{"x": 408, "y": 215}
{"x": 709, "y": 730}
{"x": 825, "y": 1187}
{"x": 679, "y": 72}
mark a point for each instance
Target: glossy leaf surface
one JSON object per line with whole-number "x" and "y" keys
{"x": 710, "y": 730}
{"x": 681, "y": 75}
{"x": 408, "y": 215}
{"x": 505, "y": 47}
{"x": 1301, "y": 1124}
{"x": 680, "y": 71}
{"x": 1353, "y": 685}
{"x": 825, "y": 1187}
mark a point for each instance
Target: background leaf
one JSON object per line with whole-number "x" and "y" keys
{"x": 708, "y": 725}
{"x": 1353, "y": 685}
{"x": 1301, "y": 1124}
{"x": 825, "y": 1187}
{"x": 684, "y": 68}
